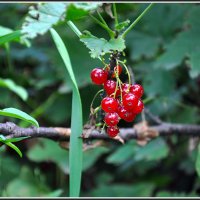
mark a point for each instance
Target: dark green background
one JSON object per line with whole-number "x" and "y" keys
{"x": 161, "y": 50}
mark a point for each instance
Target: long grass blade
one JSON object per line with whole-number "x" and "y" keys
{"x": 75, "y": 151}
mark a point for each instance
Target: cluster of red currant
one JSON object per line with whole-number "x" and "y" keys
{"x": 122, "y": 100}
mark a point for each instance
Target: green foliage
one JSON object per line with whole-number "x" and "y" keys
{"x": 183, "y": 47}
{"x": 42, "y": 17}
{"x": 47, "y": 150}
{"x": 155, "y": 150}
{"x": 4, "y": 30}
{"x": 36, "y": 187}
{"x": 76, "y": 11}
{"x": 10, "y": 144}
{"x": 143, "y": 190}
{"x": 10, "y": 36}
{"x": 20, "y": 91}
{"x": 16, "y": 113}
{"x": 160, "y": 49}
{"x": 100, "y": 46}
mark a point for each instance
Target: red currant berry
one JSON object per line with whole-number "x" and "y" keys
{"x": 111, "y": 119}
{"x": 125, "y": 114}
{"x": 125, "y": 87}
{"x": 140, "y": 106}
{"x": 130, "y": 101}
{"x": 112, "y": 131}
{"x": 110, "y": 86}
{"x": 99, "y": 76}
{"x": 109, "y": 104}
{"x": 137, "y": 90}
{"x": 118, "y": 70}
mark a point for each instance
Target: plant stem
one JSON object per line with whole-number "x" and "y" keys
{"x": 91, "y": 105}
{"x": 7, "y": 46}
{"x": 111, "y": 33}
{"x": 137, "y": 20}
{"x": 115, "y": 14}
{"x": 129, "y": 76}
{"x": 76, "y": 31}
{"x": 102, "y": 19}
{"x": 74, "y": 28}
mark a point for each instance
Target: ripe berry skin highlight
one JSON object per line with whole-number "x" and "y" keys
{"x": 111, "y": 119}
{"x": 110, "y": 86}
{"x": 112, "y": 131}
{"x": 125, "y": 87}
{"x": 137, "y": 90}
{"x": 109, "y": 104}
{"x": 98, "y": 76}
{"x": 130, "y": 101}
{"x": 126, "y": 115}
{"x": 138, "y": 109}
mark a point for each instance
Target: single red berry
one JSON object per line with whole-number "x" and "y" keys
{"x": 109, "y": 104}
{"x": 111, "y": 119}
{"x": 140, "y": 106}
{"x": 99, "y": 76}
{"x": 125, "y": 87}
{"x": 112, "y": 131}
{"x": 126, "y": 115}
{"x": 137, "y": 90}
{"x": 130, "y": 101}
{"x": 118, "y": 70}
{"x": 110, "y": 86}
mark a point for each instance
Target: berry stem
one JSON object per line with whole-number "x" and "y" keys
{"x": 103, "y": 128}
{"x": 127, "y": 71}
{"x": 120, "y": 86}
{"x": 116, "y": 88}
{"x": 91, "y": 105}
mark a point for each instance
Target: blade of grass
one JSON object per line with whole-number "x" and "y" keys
{"x": 75, "y": 151}
{"x": 10, "y": 36}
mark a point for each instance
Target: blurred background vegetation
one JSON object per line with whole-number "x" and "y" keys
{"x": 162, "y": 50}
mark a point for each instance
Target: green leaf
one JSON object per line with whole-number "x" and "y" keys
{"x": 87, "y": 6}
{"x": 91, "y": 156}
{"x": 13, "y": 112}
{"x": 15, "y": 139}
{"x": 139, "y": 42}
{"x": 20, "y": 91}
{"x": 175, "y": 194}
{"x": 28, "y": 183}
{"x": 5, "y": 30}
{"x": 123, "y": 190}
{"x": 123, "y": 153}
{"x": 122, "y": 25}
{"x": 48, "y": 150}
{"x": 10, "y": 36}
{"x": 76, "y": 122}
{"x": 3, "y": 139}
{"x": 11, "y": 145}
{"x": 154, "y": 150}
{"x": 185, "y": 45}
{"x": 42, "y": 17}
{"x": 100, "y": 46}
{"x": 55, "y": 193}
{"x": 77, "y": 11}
